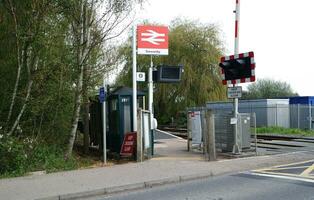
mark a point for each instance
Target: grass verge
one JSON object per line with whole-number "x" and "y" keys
{"x": 284, "y": 131}
{"x": 19, "y": 158}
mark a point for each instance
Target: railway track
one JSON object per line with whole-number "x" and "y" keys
{"x": 284, "y": 137}
{"x": 182, "y": 132}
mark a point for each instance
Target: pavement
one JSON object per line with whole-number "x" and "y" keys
{"x": 160, "y": 170}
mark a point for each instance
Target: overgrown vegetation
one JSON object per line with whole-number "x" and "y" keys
{"x": 284, "y": 131}
{"x": 17, "y": 157}
{"x": 55, "y": 53}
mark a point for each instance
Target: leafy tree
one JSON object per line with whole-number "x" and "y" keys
{"x": 90, "y": 30}
{"x": 268, "y": 88}
{"x": 198, "y": 48}
{"x": 56, "y": 52}
{"x": 37, "y": 80}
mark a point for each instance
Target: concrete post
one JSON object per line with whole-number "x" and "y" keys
{"x": 210, "y": 153}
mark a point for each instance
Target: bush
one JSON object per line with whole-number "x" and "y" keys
{"x": 19, "y": 156}
{"x": 51, "y": 158}
{"x": 13, "y": 158}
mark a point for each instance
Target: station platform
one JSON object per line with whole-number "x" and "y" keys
{"x": 170, "y": 147}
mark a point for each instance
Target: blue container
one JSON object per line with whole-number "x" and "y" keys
{"x": 307, "y": 100}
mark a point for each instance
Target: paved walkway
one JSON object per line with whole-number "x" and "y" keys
{"x": 170, "y": 147}
{"x": 98, "y": 181}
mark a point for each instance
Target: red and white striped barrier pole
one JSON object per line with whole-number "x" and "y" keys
{"x": 236, "y": 31}
{"x": 236, "y": 148}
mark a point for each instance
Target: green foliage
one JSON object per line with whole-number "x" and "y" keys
{"x": 198, "y": 48}
{"x": 13, "y": 159}
{"x": 268, "y": 88}
{"x": 284, "y": 131}
{"x": 42, "y": 35}
{"x": 19, "y": 156}
{"x": 41, "y": 39}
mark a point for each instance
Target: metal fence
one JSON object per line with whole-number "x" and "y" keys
{"x": 301, "y": 116}
{"x": 287, "y": 116}
{"x": 223, "y": 129}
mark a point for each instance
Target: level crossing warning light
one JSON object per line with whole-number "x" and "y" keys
{"x": 239, "y": 68}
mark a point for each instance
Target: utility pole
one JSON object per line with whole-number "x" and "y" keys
{"x": 236, "y": 148}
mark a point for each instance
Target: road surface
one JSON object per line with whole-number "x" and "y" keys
{"x": 258, "y": 185}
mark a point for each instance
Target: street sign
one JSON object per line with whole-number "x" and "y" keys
{"x": 128, "y": 145}
{"x": 102, "y": 94}
{"x": 234, "y": 92}
{"x": 152, "y": 40}
{"x": 239, "y": 68}
{"x": 140, "y": 76}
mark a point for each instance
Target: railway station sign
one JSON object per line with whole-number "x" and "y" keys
{"x": 234, "y": 92}
{"x": 152, "y": 40}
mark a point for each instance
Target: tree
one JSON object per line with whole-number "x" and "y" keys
{"x": 56, "y": 53}
{"x": 198, "y": 48}
{"x": 37, "y": 74}
{"x": 91, "y": 29}
{"x": 268, "y": 88}
{"x": 28, "y": 24}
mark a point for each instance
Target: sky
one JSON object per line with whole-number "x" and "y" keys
{"x": 280, "y": 32}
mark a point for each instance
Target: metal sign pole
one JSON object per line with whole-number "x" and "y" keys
{"x": 150, "y": 91}
{"x": 152, "y": 40}
{"x": 236, "y": 148}
{"x": 134, "y": 80}
{"x": 151, "y": 99}
{"x": 104, "y": 125}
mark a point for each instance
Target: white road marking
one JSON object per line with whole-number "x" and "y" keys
{"x": 170, "y": 134}
{"x": 282, "y": 177}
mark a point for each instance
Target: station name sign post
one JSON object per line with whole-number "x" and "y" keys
{"x": 151, "y": 40}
